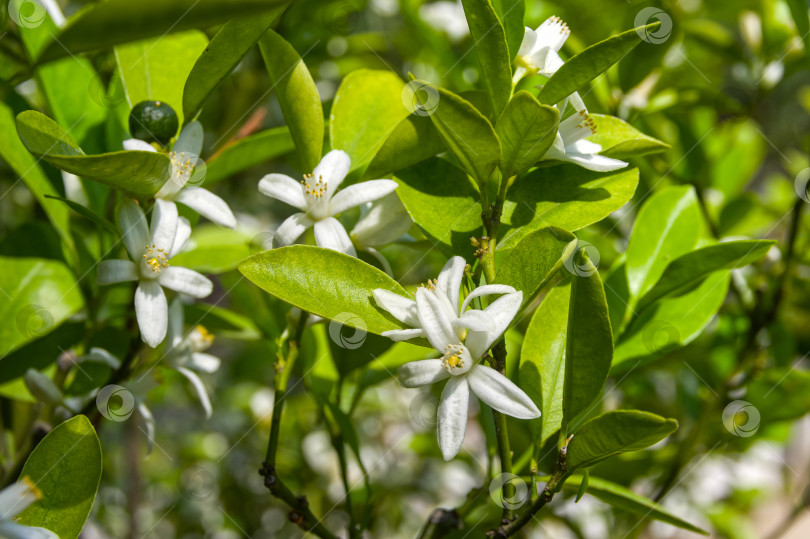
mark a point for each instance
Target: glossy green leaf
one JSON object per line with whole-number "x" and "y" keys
{"x": 367, "y": 108}
{"x": 157, "y": 69}
{"x": 583, "y": 486}
{"x": 213, "y": 249}
{"x": 66, "y": 467}
{"x": 667, "y": 226}
{"x": 87, "y": 213}
{"x": 109, "y": 23}
{"x": 305, "y": 276}
{"x": 510, "y": 13}
{"x": 534, "y": 260}
{"x": 621, "y": 140}
{"x": 687, "y": 270}
{"x": 526, "y": 130}
{"x": 138, "y": 174}
{"x": 468, "y": 135}
{"x": 39, "y": 295}
{"x": 590, "y": 63}
{"x": 227, "y": 48}
{"x": 612, "y": 433}
{"x": 414, "y": 140}
{"x": 493, "y": 52}
{"x": 248, "y": 152}
{"x": 542, "y": 362}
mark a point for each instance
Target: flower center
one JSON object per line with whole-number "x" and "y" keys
{"x": 200, "y": 338}
{"x": 431, "y": 284}
{"x": 456, "y": 359}
{"x": 154, "y": 260}
{"x": 181, "y": 167}
{"x": 312, "y": 187}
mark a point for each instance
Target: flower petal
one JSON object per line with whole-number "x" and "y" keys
{"x": 208, "y": 205}
{"x": 529, "y": 39}
{"x": 285, "y": 189}
{"x": 12, "y": 530}
{"x": 385, "y": 222}
{"x": 473, "y": 320}
{"x": 200, "y": 361}
{"x": 452, "y": 416}
{"x": 329, "y": 233}
{"x": 199, "y": 387}
{"x": 134, "y": 231}
{"x": 181, "y": 237}
{"x": 135, "y": 144}
{"x": 164, "y": 224}
{"x": 501, "y": 393}
{"x": 16, "y": 497}
{"x": 420, "y": 373}
{"x": 434, "y": 320}
{"x": 152, "y": 312}
{"x": 486, "y": 290}
{"x": 186, "y": 281}
{"x": 333, "y": 169}
{"x": 360, "y": 193}
{"x": 501, "y": 312}
{"x": 591, "y": 161}
{"x": 400, "y": 307}
{"x": 450, "y": 279}
{"x": 397, "y": 335}
{"x": 552, "y": 33}
{"x": 116, "y": 271}
{"x": 149, "y": 424}
{"x": 291, "y": 229}
{"x": 190, "y": 140}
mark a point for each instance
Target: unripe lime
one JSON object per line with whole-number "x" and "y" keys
{"x": 153, "y": 121}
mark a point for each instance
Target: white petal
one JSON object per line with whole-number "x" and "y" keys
{"x": 135, "y": 144}
{"x": 547, "y": 61}
{"x": 501, "y": 393}
{"x": 181, "y": 237}
{"x": 401, "y": 308}
{"x": 186, "y": 281}
{"x": 501, "y": 312}
{"x": 202, "y": 393}
{"x": 592, "y": 161}
{"x": 452, "y": 416}
{"x": 175, "y": 327}
{"x": 434, "y": 320}
{"x": 149, "y": 423}
{"x": 285, "y": 189}
{"x": 360, "y": 193}
{"x": 397, "y": 335}
{"x": 529, "y": 39}
{"x": 190, "y": 140}
{"x": 485, "y": 290}
{"x": 420, "y": 373}
{"x": 200, "y": 361}
{"x": 134, "y": 231}
{"x": 208, "y": 205}
{"x": 152, "y": 312}
{"x": 164, "y": 224}
{"x": 329, "y": 233}
{"x": 12, "y": 530}
{"x": 386, "y": 221}
{"x": 474, "y": 320}
{"x": 15, "y": 498}
{"x": 333, "y": 169}
{"x": 552, "y": 33}
{"x": 291, "y": 229}
{"x": 116, "y": 271}
{"x": 450, "y": 280}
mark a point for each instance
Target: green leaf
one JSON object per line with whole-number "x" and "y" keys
{"x": 138, "y": 174}
{"x": 533, "y": 261}
{"x": 626, "y": 500}
{"x": 510, "y": 13}
{"x": 297, "y": 96}
{"x": 467, "y": 134}
{"x": 39, "y": 295}
{"x": 542, "y": 364}
{"x": 526, "y": 130}
{"x": 799, "y": 11}
{"x": 780, "y": 394}
{"x": 414, "y": 140}
{"x": 590, "y": 63}
{"x": 247, "y": 152}
{"x": 66, "y": 467}
{"x": 616, "y": 432}
{"x": 213, "y": 249}
{"x": 589, "y": 339}
{"x": 688, "y": 270}
{"x": 305, "y": 276}
{"x": 367, "y": 108}
{"x": 109, "y": 23}
{"x": 157, "y": 69}
{"x": 583, "y": 486}
{"x": 621, "y": 140}
{"x": 668, "y": 225}
{"x": 493, "y": 53}
{"x": 227, "y": 48}
{"x": 87, "y": 213}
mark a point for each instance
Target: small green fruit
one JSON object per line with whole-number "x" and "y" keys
{"x": 153, "y": 121}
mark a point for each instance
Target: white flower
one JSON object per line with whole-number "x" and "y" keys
{"x": 187, "y": 352}
{"x": 152, "y": 251}
{"x": 571, "y": 146}
{"x": 463, "y": 337}
{"x": 14, "y": 499}
{"x": 184, "y": 157}
{"x": 318, "y": 201}
{"x": 384, "y": 221}
{"x": 446, "y": 16}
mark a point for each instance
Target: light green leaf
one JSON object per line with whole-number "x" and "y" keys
{"x": 534, "y": 260}
{"x": 227, "y": 48}
{"x": 467, "y": 134}
{"x": 157, "y": 69}
{"x": 668, "y": 225}
{"x": 414, "y": 140}
{"x": 297, "y": 96}
{"x": 104, "y": 24}
{"x": 39, "y": 295}
{"x": 305, "y": 276}
{"x": 66, "y": 467}
{"x": 213, "y": 249}
{"x": 248, "y": 152}
{"x": 687, "y": 270}
{"x": 510, "y": 13}
{"x": 526, "y": 130}
{"x": 493, "y": 53}
{"x": 590, "y": 63}
{"x": 621, "y": 140}
{"x": 612, "y": 433}
{"x": 138, "y": 174}
{"x": 367, "y": 108}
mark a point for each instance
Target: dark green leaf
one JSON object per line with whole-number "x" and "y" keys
{"x": 510, "y": 13}
{"x": 583, "y": 486}
{"x": 247, "y": 152}
{"x": 87, "y": 213}
{"x": 414, "y": 140}
{"x": 493, "y": 52}
{"x": 526, "y": 130}
{"x": 799, "y": 11}
{"x": 621, "y": 140}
